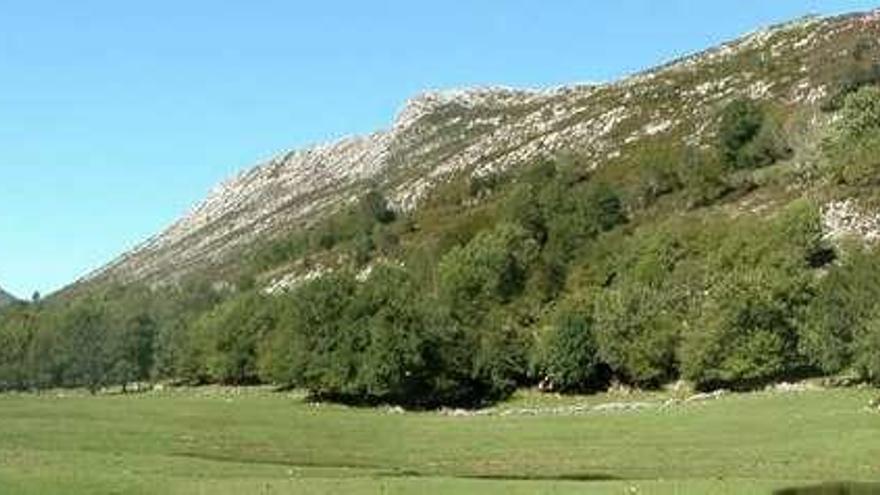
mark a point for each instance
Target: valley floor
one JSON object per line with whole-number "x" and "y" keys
{"x": 242, "y": 441}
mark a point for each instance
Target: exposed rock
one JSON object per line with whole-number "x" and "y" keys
{"x": 786, "y": 387}
{"x": 844, "y": 219}
{"x": 717, "y": 394}
{"x": 623, "y": 406}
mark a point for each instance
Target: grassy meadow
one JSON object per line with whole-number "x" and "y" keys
{"x": 235, "y": 441}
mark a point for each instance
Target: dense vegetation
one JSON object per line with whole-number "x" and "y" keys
{"x": 556, "y": 274}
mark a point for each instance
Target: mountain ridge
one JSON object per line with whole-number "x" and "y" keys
{"x": 480, "y": 131}
{"x": 6, "y": 298}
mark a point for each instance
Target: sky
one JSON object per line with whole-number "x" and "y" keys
{"x": 117, "y": 117}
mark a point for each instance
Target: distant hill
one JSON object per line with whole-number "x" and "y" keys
{"x": 6, "y": 298}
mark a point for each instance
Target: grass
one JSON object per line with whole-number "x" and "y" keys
{"x": 217, "y": 441}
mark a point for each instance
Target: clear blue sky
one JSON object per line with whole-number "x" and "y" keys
{"x": 116, "y": 117}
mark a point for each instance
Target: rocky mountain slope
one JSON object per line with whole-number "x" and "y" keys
{"x": 477, "y": 131}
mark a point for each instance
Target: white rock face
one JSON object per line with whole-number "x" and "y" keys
{"x": 476, "y": 131}
{"x": 845, "y": 219}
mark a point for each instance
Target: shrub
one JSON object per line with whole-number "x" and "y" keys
{"x": 385, "y": 341}
{"x": 746, "y": 334}
{"x": 309, "y": 346}
{"x": 846, "y": 301}
{"x": 853, "y": 147}
{"x": 741, "y": 120}
{"x": 703, "y": 178}
{"x": 231, "y": 333}
{"x": 748, "y": 137}
{"x": 637, "y": 334}
{"x": 860, "y": 115}
{"x": 375, "y": 208}
{"x": 491, "y": 269}
{"x": 569, "y": 353}
{"x": 867, "y": 351}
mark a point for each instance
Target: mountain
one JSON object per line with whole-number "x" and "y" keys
{"x": 441, "y": 135}
{"x": 6, "y": 298}
{"x": 709, "y": 220}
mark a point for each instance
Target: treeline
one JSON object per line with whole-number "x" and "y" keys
{"x": 556, "y": 274}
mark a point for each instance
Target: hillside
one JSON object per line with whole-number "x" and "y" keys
{"x": 6, "y": 298}
{"x": 711, "y": 222}
{"x": 444, "y": 134}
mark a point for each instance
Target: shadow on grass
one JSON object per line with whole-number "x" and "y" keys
{"x": 377, "y": 471}
{"x": 583, "y": 477}
{"x": 833, "y": 489}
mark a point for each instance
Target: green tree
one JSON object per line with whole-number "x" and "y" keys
{"x": 846, "y": 301}
{"x": 85, "y": 329}
{"x": 637, "y": 334}
{"x": 746, "y": 334}
{"x": 570, "y": 354}
{"x": 232, "y": 332}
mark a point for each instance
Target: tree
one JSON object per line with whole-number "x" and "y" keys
{"x": 132, "y": 350}
{"x": 741, "y": 120}
{"x": 637, "y": 334}
{"x": 570, "y": 354}
{"x": 867, "y": 351}
{"x": 851, "y": 149}
{"x": 84, "y": 328}
{"x": 489, "y": 270}
{"x": 308, "y": 346}
{"x": 375, "y": 207}
{"x": 749, "y": 137}
{"x": 746, "y": 334}
{"x": 17, "y": 329}
{"x": 845, "y": 303}
{"x": 231, "y": 334}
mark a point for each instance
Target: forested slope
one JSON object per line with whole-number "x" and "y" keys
{"x": 711, "y": 220}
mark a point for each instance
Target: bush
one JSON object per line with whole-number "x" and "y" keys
{"x": 385, "y": 341}
{"x": 569, "y": 353}
{"x": 703, "y": 178}
{"x": 489, "y": 270}
{"x": 853, "y": 148}
{"x": 860, "y": 115}
{"x": 867, "y": 351}
{"x": 746, "y": 334}
{"x": 846, "y": 301}
{"x": 309, "y": 346}
{"x": 748, "y": 137}
{"x": 375, "y": 208}
{"x": 231, "y": 333}
{"x": 17, "y": 329}
{"x": 637, "y": 334}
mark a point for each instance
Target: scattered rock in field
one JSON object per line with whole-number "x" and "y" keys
{"x": 395, "y": 410}
{"x": 617, "y": 388}
{"x": 841, "y": 381}
{"x": 623, "y": 406}
{"x": 679, "y": 386}
{"x": 457, "y": 412}
{"x": 786, "y": 387}
{"x": 707, "y": 396}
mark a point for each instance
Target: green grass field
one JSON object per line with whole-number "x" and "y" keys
{"x": 216, "y": 441}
